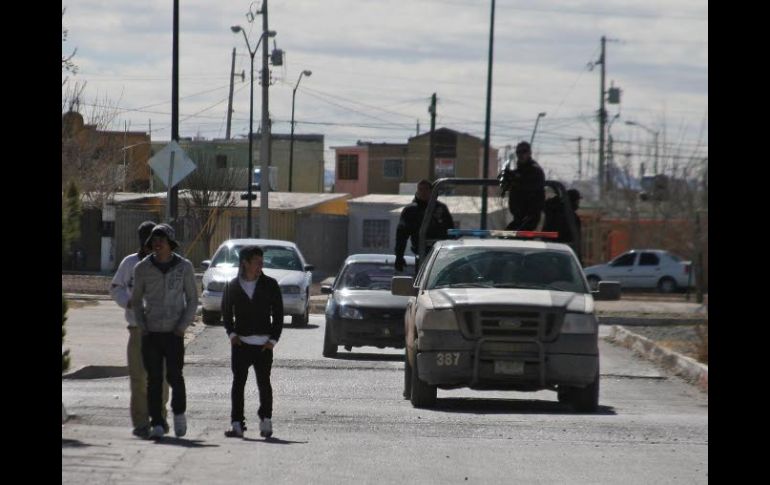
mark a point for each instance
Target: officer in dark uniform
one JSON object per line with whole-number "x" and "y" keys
{"x": 574, "y": 200}
{"x": 411, "y": 220}
{"x": 525, "y": 186}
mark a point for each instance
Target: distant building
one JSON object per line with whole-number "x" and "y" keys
{"x": 373, "y": 219}
{"x": 307, "y": 167}
{"x": 379, "y": 168}
{"x": 120, "y": 156}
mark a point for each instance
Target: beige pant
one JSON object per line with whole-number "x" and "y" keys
{"x": 138, "y": 376}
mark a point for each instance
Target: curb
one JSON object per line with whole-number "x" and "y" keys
{"x": 649, "y": 320}
{"x": 683, "y": 366}
{"x": 83, "y": 296}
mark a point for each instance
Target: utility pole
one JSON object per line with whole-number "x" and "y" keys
{"x": 432, "y": 151}
{"x": 418, "y": 128}
{"x": 230, "y": 98}
{"x": 173, "y": 192}
{"x": 580, "y": 158}
{"x": 485, "y": 172}
{"x": 264, "y": 180}
{"x": 602, "y": 117}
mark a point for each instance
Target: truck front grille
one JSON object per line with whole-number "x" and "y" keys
{"x": 511, "y": 323}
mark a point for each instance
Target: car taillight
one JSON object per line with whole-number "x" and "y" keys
{"x": 686, "y": 269}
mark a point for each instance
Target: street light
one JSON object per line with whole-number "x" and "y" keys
{"x": 607, "y": 171}
{"x": 534, "y": 130}
{"x": 252, "y": 53}
{"x": 125, "y": 168}
{"x": 655, "y": 138}
{"x": 291, "y": 143}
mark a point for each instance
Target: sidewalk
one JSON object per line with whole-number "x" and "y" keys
{"x": 97, "y": 338}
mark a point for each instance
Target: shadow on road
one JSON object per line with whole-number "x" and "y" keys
{"x": 275, "y": 441}
{"x": 184, "y": 442}
{"x": 370, "y": 356}
{"x": 510, "y": 406}
{"x": 309, "y": 326}
{"x": 68, "y": 443}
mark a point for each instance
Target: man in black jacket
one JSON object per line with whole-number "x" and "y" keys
{"x": 526, "y": 190}
{"x": 411, "y": 220}
{"x": 248, "y": 302}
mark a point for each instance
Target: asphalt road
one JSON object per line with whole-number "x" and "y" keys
{"x": 343, "y": 420}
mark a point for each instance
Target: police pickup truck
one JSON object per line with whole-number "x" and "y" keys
{"x": 493, "y": 311}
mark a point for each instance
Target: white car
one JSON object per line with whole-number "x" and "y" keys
{"x": 282, "y": 261}
{"x": 644, "y": 268}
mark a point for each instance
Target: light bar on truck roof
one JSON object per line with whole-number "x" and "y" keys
{"x": 485, "y": 233}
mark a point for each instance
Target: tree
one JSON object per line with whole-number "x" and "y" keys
{"x": 89, "y": 158}
{"x": 65, "y": 353}
{"x": 677, "y": 204}
{"x": 209, "y": 191}
{"x": 71, "y": 212}
{"x": 67, "y": 64}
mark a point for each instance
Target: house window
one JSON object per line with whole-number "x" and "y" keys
{"x": 376, "y": 234}
{"x": 347, "y": 167}
{"x": 221, "y": 161}
{"x": 445, "y": 144}
{"x": 393, "y": 168}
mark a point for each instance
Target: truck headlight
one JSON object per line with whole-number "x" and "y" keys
{"x": 579, "y": 323}
{"x": 351, "y": 313}
{"x": 439, "y": 320}
{"x": 217, "y": 286}
{"x": 290, "y": 290}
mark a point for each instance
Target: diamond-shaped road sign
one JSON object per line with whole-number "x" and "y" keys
{"x": 182, "y": 164}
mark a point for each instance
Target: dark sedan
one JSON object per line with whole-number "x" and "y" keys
{"x": 361, "y": 311}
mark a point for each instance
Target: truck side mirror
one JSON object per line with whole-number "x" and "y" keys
{"x": 608, "y": 290}
{"x": 403, "y": 286}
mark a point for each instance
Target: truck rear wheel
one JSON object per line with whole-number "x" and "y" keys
{"x": 423, "y": 395}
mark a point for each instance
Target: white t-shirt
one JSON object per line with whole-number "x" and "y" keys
{"x": 248, "y": 287}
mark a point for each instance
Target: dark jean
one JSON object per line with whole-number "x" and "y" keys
{"x": 157, "y": 346}
{"x": 245, "y": 356}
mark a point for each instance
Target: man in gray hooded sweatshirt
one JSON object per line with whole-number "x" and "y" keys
{"x": 164, "y": 301}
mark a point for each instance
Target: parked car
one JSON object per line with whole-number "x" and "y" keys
{"x": 644, "y": 268}
{"x": 282, "y": 261}
{"x": 361, "y": 310}
{"x": 501, "y": 314}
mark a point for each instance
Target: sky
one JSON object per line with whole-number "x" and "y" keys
{"x": 375, "y": 65}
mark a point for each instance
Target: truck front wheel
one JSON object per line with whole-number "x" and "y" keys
{"x": 423, "y": 395}
{"x": 585, "y": 399}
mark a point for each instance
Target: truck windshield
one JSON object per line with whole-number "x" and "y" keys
{"x": 485, "y": 267}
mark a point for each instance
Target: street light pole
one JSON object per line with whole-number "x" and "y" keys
{"x": 655, "y": 134}
{"x": 485, "y": 170}
{"x": 610, "y": 159}
{"x": 235, "y": 29}
{"x": 264, "y": 178}
{"x": 291, "y": 143}
{"x": 534, "y": 130}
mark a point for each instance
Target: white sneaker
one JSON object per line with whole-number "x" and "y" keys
{"x": 156, "y": 432}
{"x": 265, "y": 428}
{"x": 180, "y": 424}
{"x": 236, "y": 431}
